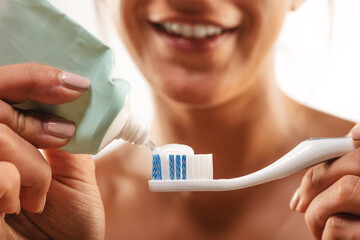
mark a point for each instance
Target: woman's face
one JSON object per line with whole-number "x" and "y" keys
{"x": 200, "y": 52}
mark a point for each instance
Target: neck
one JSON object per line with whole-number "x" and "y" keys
{"x": 242, "y": 133}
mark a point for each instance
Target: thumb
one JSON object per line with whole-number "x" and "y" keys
{"x": 66, "y": 166}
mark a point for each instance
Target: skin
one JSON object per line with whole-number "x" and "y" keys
{"x": 223, "y": 101}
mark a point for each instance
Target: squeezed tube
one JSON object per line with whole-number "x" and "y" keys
{"x": 102, "y": 113}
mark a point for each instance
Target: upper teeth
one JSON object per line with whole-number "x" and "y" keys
{"x": 192, "y": 31}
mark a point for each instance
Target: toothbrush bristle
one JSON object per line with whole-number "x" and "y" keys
{"x": 171, "y": 166}
{"x": 178, "y": 167}
{"x": 182, "y": 167}
{"x": 156, "y": 170}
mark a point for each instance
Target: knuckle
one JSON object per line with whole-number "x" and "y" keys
{"x": 5, "y": 109}
{"x": 43, "y": 180}
{"x": 4, "y": 129}
{"x": 33, "y": 70}
{"x": 6, "y": 141}
{"x": 6, "y": 114}
{"x": 47, "y": 173}
{"x": 37, "y": 72}
{"x": 356, "y": 156}
{"x": 307, "y": 181}
{"x": 347, "y": 186}
{"x": 12, "y": 177}
{"x": 307, "y": 218}
{"x": 26, "y": 122}
{"x": 313, "y": 178}
{"x": 19, "y": 122}
{"x": 334, "y": 226}
{"x": 310, "y": 218}
{"x": 340, "y": 226}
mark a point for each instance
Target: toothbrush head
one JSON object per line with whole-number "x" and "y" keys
{"x": 179, "y": 169}
{"x": 182, "y": 167}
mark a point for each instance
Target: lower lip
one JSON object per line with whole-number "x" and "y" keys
{"x": 193, "y": 44}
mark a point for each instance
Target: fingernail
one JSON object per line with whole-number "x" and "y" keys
{"x": 294, "y": 200}
{"x": 355, "y": 132}
{"x": 74, "y": 81}
{"x": 60, "y": 128}
{"x": 19, "y": 210}
{"x": 42, "y": 210}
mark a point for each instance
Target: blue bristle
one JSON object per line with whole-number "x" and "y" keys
{"x": 154, "y": 167}
{"x": 171, "y": 166}
{"x": 183, "y": 166}
{"x": 178, "y": 167}
{"x": 156, "y": 170}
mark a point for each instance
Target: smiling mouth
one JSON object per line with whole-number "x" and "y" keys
{"x": 191, "y": 31}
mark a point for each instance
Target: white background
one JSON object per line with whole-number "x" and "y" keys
{"x": 312, "y": 67}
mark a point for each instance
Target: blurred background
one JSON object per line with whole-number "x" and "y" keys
{"x": 317, "y": 59}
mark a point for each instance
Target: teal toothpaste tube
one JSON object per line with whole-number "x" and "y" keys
{"x": 36, "y": 32}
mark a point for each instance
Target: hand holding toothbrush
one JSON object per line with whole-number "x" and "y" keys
{"x": 329, "y": 195}
{"x": 56, "y": 196}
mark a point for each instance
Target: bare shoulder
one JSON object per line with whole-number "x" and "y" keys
{"x": 316, "y": 123}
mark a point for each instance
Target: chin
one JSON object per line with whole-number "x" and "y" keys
{"x": 192, "y": 89}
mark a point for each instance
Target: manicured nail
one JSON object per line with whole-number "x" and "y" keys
{"x": 19, "y": 210}
{"x": 42, "y": 210}
{"x": 60, "y": 128}
{"x": 294, "y": 200}
{"x": 355, "y": 132}
{"x": 74, "y": 81}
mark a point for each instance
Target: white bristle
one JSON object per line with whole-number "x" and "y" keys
{"x": 164, "y": 169}
{"x": 206, "y": 167}
{"x": 194, "y": 167}
{"x": 197, "y": 167}
{"x": 203, "y": 167}
{"x": 189, "y": 168}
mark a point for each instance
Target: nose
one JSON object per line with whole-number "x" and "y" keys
{"x": 193, "y": 6}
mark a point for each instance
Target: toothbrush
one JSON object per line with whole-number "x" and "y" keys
{"x": 184, "y": 171}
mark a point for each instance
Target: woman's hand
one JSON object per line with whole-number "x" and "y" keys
{"x": 54, "y": 196}
{"x": 329, "y": 195}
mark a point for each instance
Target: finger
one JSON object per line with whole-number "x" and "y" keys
{"x": 40, "y": 83}
{"x": 342, "y": 226}
{"x": 355, "y": 132}
{"x": 341, "y": 197}
{"x": 34, "y": 170}
{"x": 320, "y": 177}
{"x": 350, "y": 132}
{"x": 42, "y": 130}
{"x": 9, "y": 188}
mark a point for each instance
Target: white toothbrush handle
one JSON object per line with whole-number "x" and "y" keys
{"x": 308, "y": 153}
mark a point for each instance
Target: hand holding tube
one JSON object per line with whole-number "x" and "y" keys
{"x": 44, "y": 191}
